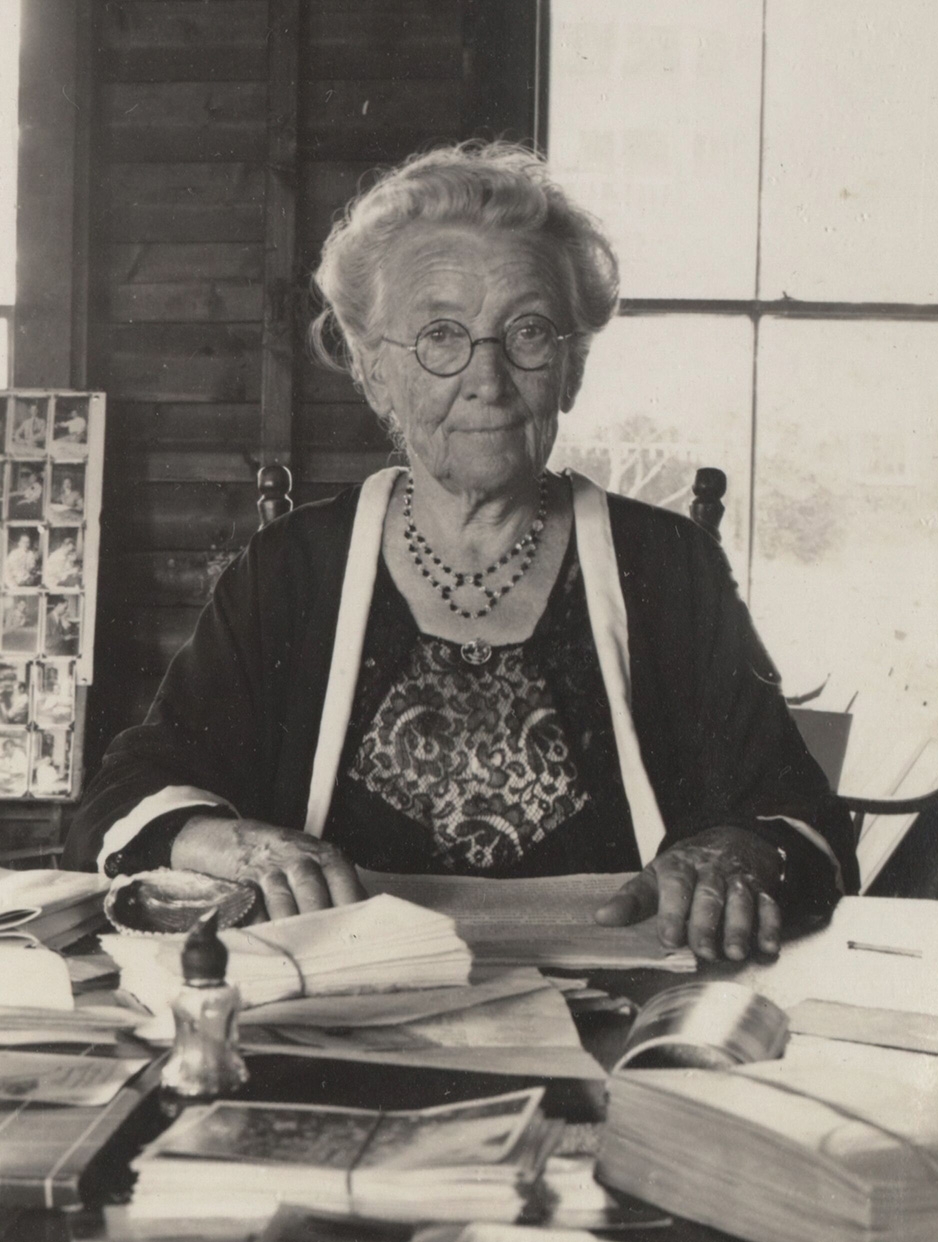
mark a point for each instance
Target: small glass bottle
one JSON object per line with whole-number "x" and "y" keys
{"x": 205, "y": 1061}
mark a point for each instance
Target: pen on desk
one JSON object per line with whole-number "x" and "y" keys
{"x": 883, "y": 948}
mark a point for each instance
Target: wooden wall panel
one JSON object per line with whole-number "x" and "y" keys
{"x": 199, "y": 274}
{"x": 383, "y": 39}
{"x": 182, "y": 203}
{"x": 176, "y": 40}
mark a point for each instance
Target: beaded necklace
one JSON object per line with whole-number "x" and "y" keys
{"x": 477, "y": 651}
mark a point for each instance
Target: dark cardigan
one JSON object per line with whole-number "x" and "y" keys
{"x": 239, "y": 709}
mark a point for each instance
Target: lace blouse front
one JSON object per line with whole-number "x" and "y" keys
{"x": 475, "y": 755}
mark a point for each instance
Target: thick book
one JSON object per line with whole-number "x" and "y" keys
{"x": 50, "y": 1154}
{"x": 479, "y": 1159}
{"x": 834, "y": 1143}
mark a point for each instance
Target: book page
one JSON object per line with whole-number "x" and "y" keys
{"x": 544, "y": 922}
{"x": 55, "y": 1078}
{"x": 562, "y": 900}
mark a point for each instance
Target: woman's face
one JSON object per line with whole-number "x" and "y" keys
{"x": 491, "y": 427}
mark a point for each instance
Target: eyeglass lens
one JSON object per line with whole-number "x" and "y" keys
{"x": 445, "y": 347}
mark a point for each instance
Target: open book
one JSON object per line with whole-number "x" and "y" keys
{"x": 538, "y": 922}
{"x": 817, "y": 1147}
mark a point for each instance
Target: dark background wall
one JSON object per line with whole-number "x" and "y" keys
{"x": 184, "y": 187}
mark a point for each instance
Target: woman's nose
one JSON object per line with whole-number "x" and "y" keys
{"x": 486, "y": 376}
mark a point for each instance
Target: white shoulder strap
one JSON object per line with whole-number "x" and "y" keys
{"x": 354, "y": 605}
{"x": 610, "y": 626}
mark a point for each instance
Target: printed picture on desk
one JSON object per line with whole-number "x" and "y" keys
{"x": 70, "y": 427}
{"x": 29, "y": 428}
{"x": 20, "y": 629}
{"x": 14, "y": 693}
{"x": 53, "y": 693}
{"x": 67, "y": 494}
{"x": 64, "y": 559}
{"x": 51, "y": 773}
{"x": 62, "y": 634}
{"x": 14, "y": 763}
{"x": 22, "y": 564}
{"x": 26, "y": 492}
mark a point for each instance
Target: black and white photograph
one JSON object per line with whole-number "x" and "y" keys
{"x": 26, "y": 491}
{"x": 51, "y": 765}
{"x": 29, "y": 428}
{"x": 22, "y": 561}
{"x": 63, "y": 565}
{"x": 470, "y": 498}
{"x": 66, "y": 493}
{"x": 14, "y": 763}
{"x": 14, "y": 693}
{"x": 62, "y": 628}
{"x": 70, "y": 427}
{"x": 54, "y": 691}
{"x": 19, "y": 633}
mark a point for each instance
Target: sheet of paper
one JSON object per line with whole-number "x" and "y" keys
{"x": 55, "y": 1078}
{"x": 48, "y": 888}
{"x": 544, "y": 922}
{"x": 33, "y": 977}
{"x": 886, "y": 1028}
{"x": 892, "y": 964}
{"x": 393, "y": 1008}
{"x": 527, "y": 1034}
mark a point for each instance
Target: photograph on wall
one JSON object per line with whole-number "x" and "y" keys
{"x": 53, "y": 693}
{"x": 29, "y": 427}
{"x": 19, "y": 632}
{"x": 51, "y": 465}
{"x": 26, "y": 491}
{"x": 67, "y": 494}
{"x": 14, "y": 692}
{"x": 63, "y": 564}
{"x": 62, "y": 632}
{"x": 51, "y": 769}
{"x": 22, "y": 564}
{"x": 14, "y": 763}
{"x": 70, "y": 427}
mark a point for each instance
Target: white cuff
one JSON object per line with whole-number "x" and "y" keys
{"x": 170, "y": 798}
{"x": 819, "y": 842}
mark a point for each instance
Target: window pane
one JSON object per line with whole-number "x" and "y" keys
{"x": 845, "y": 571}
{"x": 662, "y": 396}
{"x": 850, "y": 204}
{"x": 654, "y": 125}
{"x": 9, "y": 85}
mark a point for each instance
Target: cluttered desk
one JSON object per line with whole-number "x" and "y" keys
{"x": 458, "y": 1059}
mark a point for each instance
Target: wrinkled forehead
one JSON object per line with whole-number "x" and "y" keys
{"x": 431, "y": 271}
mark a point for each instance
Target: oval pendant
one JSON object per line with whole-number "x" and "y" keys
{"x": 476, "y": 652}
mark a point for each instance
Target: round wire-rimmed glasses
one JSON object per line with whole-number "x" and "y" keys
{"x": 444, "y": 347}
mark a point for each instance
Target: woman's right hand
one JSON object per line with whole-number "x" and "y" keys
{"x": 295, "y": 871}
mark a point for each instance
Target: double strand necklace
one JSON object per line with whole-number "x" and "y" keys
{"x": 445, "y": 580}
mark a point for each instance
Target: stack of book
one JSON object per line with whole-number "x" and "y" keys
{"x": 57, "y": 908}
{"x": 479, "y": 1160}
{"x": 383, "y": 944}
{"x": 783, "y": 1151}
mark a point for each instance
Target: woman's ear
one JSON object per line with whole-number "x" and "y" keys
{"x": 368, "y": 370}
{"x": 571, "y": 382}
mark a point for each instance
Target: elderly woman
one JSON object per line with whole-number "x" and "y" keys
{"x": 474, "y": 665}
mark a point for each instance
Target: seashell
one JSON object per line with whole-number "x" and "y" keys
{"x": 167, "y": 902}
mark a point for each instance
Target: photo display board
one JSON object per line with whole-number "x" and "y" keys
{"x": 51, "y": 464}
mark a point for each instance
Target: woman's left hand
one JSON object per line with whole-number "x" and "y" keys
{"x": 717, "y": 891}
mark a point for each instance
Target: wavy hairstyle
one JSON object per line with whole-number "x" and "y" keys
{"x": 478, "y": 184}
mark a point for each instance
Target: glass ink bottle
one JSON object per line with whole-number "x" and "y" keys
{"x": 205, "y": 1061}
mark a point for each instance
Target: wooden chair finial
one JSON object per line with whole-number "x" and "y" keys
{"x": 707, "y": 506}
{"x": 273, "y": 485}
